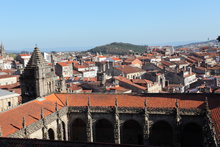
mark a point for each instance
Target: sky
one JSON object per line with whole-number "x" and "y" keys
{"x": 82, "y": 24}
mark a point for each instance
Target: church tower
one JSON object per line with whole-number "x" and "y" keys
{"x": 38, "y": 78}
{"x": 2, "y": 50}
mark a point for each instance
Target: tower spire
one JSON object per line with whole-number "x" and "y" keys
{"x": 36, "y": 58}
{"x": 42, "y": 113}
{"x": 23, "y": 122}
{"x": 89, "y": 103}
{"x": 67, "y": 101}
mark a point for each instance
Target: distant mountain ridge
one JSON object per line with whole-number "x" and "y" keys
{"x": 199, "y": 44}
{"x": 118, "y": 48}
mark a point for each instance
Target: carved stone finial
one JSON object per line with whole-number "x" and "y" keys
{"x": 89, "y": 103}
{"x": 177, "y": 103}
{"x": 178, "y": 117}
{"x": 145, "y": 110}
{"x": 145, "y": 103}
{"x": 42, "y": 113}
{"x": 56, "y": 106}
{"x": 67, "y": 102}
{"x": 24, "y": 123}
{"x": 206, "y": 103}
{"x": 116, "y": 102}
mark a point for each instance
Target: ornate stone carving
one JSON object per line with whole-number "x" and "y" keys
{"x": 89, "y": 130}
{"x": 146, "y": 116}
{"x": 24, "y": 127}
{"x": 117, "y": 124}
{"x": 178, "y": 117}
{"x": 146, "y": 123}
{"x": 67, "y": 101}
{"x": 208, "y": 128}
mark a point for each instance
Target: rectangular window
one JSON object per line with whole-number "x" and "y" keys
{"x": 9, "y": 104}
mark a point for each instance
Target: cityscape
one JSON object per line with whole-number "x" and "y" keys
{"x": 123, "y": 90}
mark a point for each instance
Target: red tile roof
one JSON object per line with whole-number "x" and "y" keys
{"x": 166, "y": 63}
{"x": 77, "y": 66}
{"x": 25, "y": 54}
{"x": 116, "y": 59}
{"x": 67, "y": 63}
{"x": 127, "y": 81}
{"x": 141, "y": 81}
{"x": 63, "y": 63}
{"x": 129, "y": 69}
{"x": 31, "y": 110}
{"x": 214, "y": 105}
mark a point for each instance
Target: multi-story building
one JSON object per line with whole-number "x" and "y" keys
{"x": 8, "y": 100}
{"x": 64, "y": 69}
{"x": 23, "y": 59}
{"x": 129, "y": 72}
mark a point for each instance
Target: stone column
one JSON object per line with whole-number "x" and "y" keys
{"x": 44, "y": 128}
{"x": 177, "y": 137}
{"x": 89, "y": 126}
{"x": 117, "y": 124}
{"x": 59, "y": 132}
{"x": 58, "y": 120}
{"x": 146, "y": 130}
{"x": 24, "y": 128}
{"x": 44, "y": 133}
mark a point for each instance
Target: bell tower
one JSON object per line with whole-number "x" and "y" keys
{"x": 2, "y": 50}
{"x": 38, "y": 78}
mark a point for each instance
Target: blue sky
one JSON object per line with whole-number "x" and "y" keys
{"x": 87, "y": 23}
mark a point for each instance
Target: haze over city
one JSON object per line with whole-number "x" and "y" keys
{"x": 84, "y": 24}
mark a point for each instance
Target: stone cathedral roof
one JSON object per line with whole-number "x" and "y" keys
{"x": 36, "y": 59}
{"x": 11, "y": 120}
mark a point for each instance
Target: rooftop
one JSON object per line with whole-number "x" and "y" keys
{"x": 31, "y": 111}
{"x": 6, "y": 94}
{"x": 129, "y": 69}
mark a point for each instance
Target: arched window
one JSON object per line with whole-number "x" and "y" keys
{"x": 192, "y": 135}
{"x": 51, "y": 134}
{"x": 64, "y": 131}
{"x": 78, "y": 131}
{"x": 132, "y": 133}
{"x": 161, "y": 134}
{"x": 104, "y": 131}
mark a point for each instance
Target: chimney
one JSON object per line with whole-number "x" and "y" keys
{"x": 190, "y": 70}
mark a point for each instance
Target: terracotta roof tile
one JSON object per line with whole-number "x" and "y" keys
{"x": 129, "y": 69}
{"x": 31, "y": 110}
{"x": 24, "y": 54}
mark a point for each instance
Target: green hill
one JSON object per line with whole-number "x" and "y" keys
{"x": 118, "y": 48}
